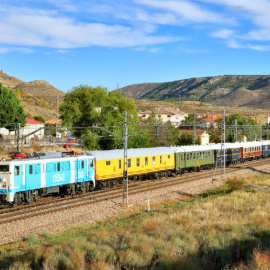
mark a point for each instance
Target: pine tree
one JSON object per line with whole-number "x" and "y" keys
{"x": 11, "y": 110}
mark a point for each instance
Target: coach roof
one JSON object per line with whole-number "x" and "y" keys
{"x": 136, "y": 152}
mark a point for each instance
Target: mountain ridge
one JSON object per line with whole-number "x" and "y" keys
{"x": 243, "y": 90}
{"x": 39, "y": 98}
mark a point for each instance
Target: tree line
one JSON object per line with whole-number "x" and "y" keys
{"x": 96, "y": 116}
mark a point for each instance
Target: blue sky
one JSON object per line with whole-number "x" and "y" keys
{"x": 116, "y": 43}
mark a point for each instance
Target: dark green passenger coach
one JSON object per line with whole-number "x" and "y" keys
{"x": 195, "y": 157}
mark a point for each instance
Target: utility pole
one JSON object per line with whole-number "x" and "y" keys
{"x": 125, "y": 167}
{"x": 235, "y": 130}
{"x": 57, "y": 114}
{"x": 223, "y": 150}
{"x": 17, "y": 133}
{"x": 194, "y": 129}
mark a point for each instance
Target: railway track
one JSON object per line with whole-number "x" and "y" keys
{"x": 51, "y": 205}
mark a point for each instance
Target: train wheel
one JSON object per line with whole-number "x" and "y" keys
{"x": 91, "y": 186}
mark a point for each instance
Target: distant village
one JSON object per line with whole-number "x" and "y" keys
{"x": 34, "y": 131}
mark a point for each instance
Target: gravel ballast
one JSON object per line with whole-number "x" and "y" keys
{"x": 63, "y": 220}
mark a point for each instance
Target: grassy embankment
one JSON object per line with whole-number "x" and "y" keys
{"x": 223, "y": 228}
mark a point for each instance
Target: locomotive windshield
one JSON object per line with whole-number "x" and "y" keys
{"x": 4, "y": 168}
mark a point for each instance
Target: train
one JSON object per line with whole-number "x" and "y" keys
{"x": 25, "y": 177}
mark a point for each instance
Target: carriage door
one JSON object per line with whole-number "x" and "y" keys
{"x": 90, "y": 169}
{"x": 19, "y": 179}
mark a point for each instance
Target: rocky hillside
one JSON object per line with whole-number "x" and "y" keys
{"x": 37, "y": 97}
{"x": 229, "y": 90}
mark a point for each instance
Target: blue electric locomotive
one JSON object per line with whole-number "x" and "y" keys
{"x": 23, "y": 180}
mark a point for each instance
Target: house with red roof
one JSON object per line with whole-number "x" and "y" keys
{"x": 31, "y": 126}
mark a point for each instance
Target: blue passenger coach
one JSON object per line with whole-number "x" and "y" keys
{"x": 23, "y": 180}
{"x": 266, "y": 148}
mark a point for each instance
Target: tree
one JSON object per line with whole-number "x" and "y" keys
{"x": 90, "y": 140}
{"x": 39, "y": 118}
{"x": 11, "y": 111}
{"x": 86, "y": 106}
{"x": 245, "y": 126}
{"x": 18, "y": 93}
{"x": 190, "y": 120}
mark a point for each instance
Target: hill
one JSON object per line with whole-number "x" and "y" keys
{"x": 37, "y": 97}
{"x": 228, "y": 90}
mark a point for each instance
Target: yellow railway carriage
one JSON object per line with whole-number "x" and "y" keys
{"x": 141, "y": 162}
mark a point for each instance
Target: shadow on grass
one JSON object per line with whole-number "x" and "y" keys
{"x": 205, "y": 258}
{"x": 258, "y": 171}
{"x": 226, "y": 258}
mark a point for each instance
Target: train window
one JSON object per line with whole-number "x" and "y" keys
{"x": 51, "y": 167}
{"x": 91, "y": 163}
{"x": 169, "y": 156}
{"x": 146, "y": 161}
{"x": 17, "y": 170}
{"x": 66, "y": 166}
{"x": 194, "y": 156}
{"x": 160, "y": 159}
{"x": 187, "y": 156}
{"x": 58, "y": 166}
{"x": 30, "y": 169}
{"x": 37, "y": 168}
{"x": 4, "y": 168}
{"x": 82, "y": 164}
{"x": 154, "y": 160}
{"x": 129, "y": 163}
{"x": 120, "y": 164}
{"x": 138, "y": 162}
{"x": 108, "y": 162}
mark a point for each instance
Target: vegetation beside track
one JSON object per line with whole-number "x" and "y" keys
{"x": 223, "y": 228}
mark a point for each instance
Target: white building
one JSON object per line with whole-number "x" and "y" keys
{"x": 165, "y": 116}
{"x": 30, "y": 126}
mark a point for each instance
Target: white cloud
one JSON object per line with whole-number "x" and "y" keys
{"x": 259, "y": 48}
{"x": 155, "y": 50}
{"x": 185, "y": 11}
{"x": 224, "y": 33}
{"x": 254, "y": 15}
{"x": 234, "y": 44}
{"x": 62, "y": 32}
{"x": 68, "y": 24}
{"x": 15, "y": 49}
